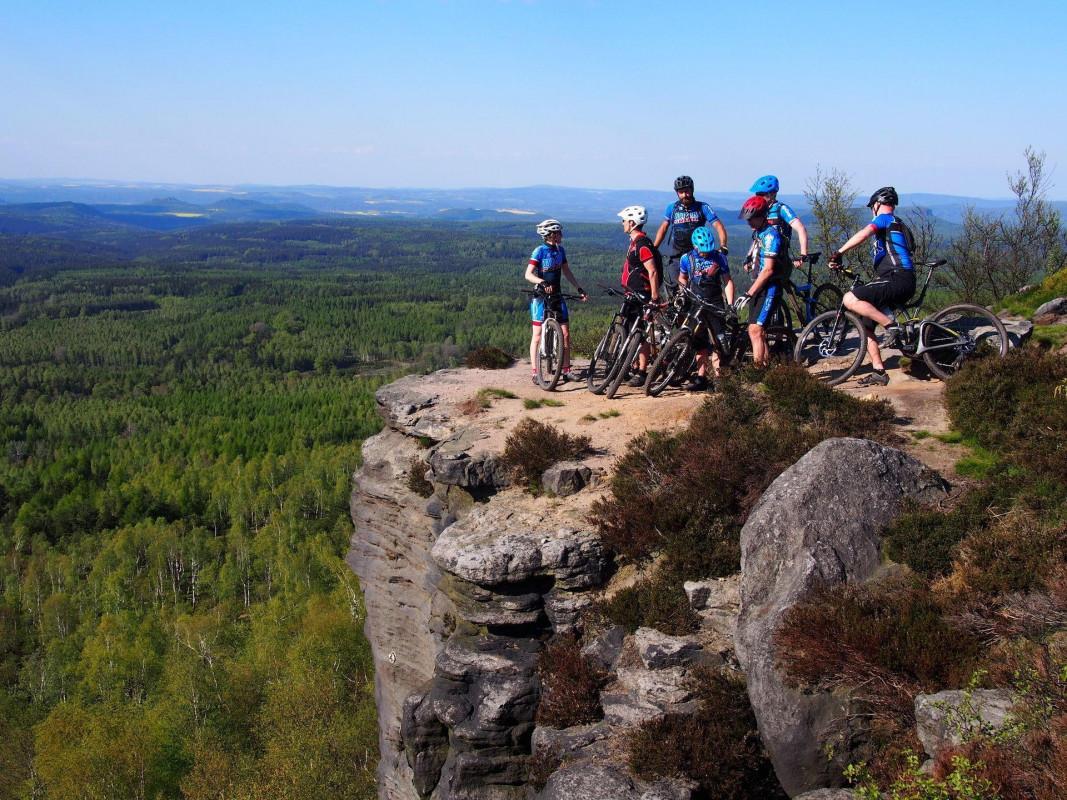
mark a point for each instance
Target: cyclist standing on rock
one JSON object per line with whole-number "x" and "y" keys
{"x": 781, "y": 216}
{"x": 708, "y": 271}
{"x": 547, "y": 265}
{"x": 640, "y": 274}
{"x": 770, "y": 259}
{"x": 895, "y": 282}
{"x": 682, "y": 218}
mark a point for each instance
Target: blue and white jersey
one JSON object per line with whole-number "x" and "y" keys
{"x": 706, "y": 275}
{"x": 769, "y": 245}
{"x": 892, "y": 241}
{"x": 547, "y": 261}
{"x": 686, "y": 219}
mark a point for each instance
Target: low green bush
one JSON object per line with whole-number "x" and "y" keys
{"x": 417, "y": 477}
{"x": 656, "y": 601}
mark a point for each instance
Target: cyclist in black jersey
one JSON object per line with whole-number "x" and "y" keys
{"x": 682, "y": 218}
{"x": 895, "y": 283}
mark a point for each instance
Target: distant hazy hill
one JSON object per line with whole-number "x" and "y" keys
{"x": 60, "y": 207}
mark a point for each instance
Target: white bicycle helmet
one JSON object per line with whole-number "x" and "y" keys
{"x": 549, "y": 226}
{"x": 636, "y": 214}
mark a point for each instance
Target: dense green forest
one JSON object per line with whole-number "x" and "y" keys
{"x": 180, "y": 419}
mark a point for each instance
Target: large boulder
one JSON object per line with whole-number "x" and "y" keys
{"x": 586, "y": 782}
{"x": 1053, "y": 308}
{"x": 819, "y": 523}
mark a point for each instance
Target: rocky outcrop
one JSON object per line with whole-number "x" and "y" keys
{"x": 461, "y": 589}
{"x": 818, "y": 524}
{"x": 1054, "y": 312}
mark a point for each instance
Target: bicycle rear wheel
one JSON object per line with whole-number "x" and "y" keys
{"x": 550, "y": 355}
{"x": 605, "y": 358}
{"x": 779, "y": 333}
{"x": 671, "y": 363}
{"x": 832, "y": 346}
{"x": 958, "y": 333}
{"x": 633, "y": 345}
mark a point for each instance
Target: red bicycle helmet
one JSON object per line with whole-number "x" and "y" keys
{"x": 755, "y": 206}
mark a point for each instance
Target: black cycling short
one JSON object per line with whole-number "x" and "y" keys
{"x": 891, "y": 289}
{"x": 631, "y": 309}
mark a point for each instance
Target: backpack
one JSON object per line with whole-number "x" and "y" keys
{"x": 630, "y": 266}
{"x": 684, "y": 244}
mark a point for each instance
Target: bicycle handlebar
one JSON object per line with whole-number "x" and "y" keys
{"x": 560, "y": 295}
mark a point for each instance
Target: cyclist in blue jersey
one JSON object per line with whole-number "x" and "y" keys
{"x": 772, "y": 265}
{"x": 895, "y": 282}
{"x": 707, "y": 272}
{"x": 682, "y": 218}
{"x": 781, "y": 216}
{"x": 545, "y": 269}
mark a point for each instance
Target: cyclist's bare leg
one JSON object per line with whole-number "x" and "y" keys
{"x": 702, "y": 363}
{"x": 642, "y": 358}
{"x": 760, "y": 355}
{"x": 865, "y": 309}
{"x": 535, "y": 341}
{"x": 875, "y": 353}
{"x": 566, "y": 346}
{"x": 715, "y": 371}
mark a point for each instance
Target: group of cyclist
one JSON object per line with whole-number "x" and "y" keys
{"x": 697, "y": 264}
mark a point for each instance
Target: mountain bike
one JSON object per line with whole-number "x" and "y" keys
{"x": 833, "y": 344}
{"x": 676, "y": 357}
{"x": 809, "y": 300}
{"x": 608, "y": 353}
{"x": 549, "y": 364}
{"x": 650, "y": 326}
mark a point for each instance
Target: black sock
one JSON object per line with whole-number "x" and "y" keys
{"x": 879, "y": 371}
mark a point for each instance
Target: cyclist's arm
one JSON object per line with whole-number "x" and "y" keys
{"x": 683, "y": 279}
{"x": 720, "y": 231}
{"x": 571, "y": 278}
{"x": 729, "y": 290}
{"x": 531, "y": 275}
{"x": 860, "y": 236}
{"x": 764, "y": 277}
{"x": 661, "y": 232}
{"x": 653, "y": 278}
{"x": 802, "y": 235}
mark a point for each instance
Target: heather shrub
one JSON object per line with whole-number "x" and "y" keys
{"x": 657, "y": 601}
{"x": 488, "y": 358}
{"x": 718, "y": 746}
{"x": 1016, "y": 554}
{"x": 570, "y": 685}
{"x": 417, "y": 482}
{"x": 532, "y": 447}
{"x": 695, "y": 488}
{"x": 1003, "y": 402}
{"x": 890, "y": 637}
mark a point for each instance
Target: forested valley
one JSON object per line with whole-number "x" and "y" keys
{"x": 181, "y": 416}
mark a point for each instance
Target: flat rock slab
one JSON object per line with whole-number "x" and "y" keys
{"x": 589, "y": 782}
{"x": 947, "y": 719}
{"x": 659, "y": 650}
{"x": 495, "y": 545}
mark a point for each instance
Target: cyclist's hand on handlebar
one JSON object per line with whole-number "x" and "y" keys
{"x": 741, "y": 302}
{"x": 835, "y": 260}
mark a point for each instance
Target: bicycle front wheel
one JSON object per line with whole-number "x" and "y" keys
{"x": 958, "y": 333}
{"x": 673, "y": 360}
{"x": 779, "y": 334}
{"x": 633, "y": 346}
{"x": 605, "y": 358}
{"x": 550, "y": 355}
{"x": 832, "y": 346}
{"x": 827, "y": 297}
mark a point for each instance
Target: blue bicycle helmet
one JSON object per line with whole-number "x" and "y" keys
{"x": 702, "y": 240}
{"x": 768, "y": 183}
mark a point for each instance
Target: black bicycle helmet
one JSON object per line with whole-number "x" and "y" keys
{"x": 683, "y": 182}
{"x": 886, "y": 195}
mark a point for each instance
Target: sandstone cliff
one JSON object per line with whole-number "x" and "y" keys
{"x": 463, "y": 587}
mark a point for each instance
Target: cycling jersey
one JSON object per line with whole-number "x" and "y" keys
{"x": 781, "y": 217}
{"x": 686, "y": 219}
{"x": 547, "y": 261}
{"x": 634, "y": 275}
{"x": 705, "y": 274}
{"x": 892, "y": 244}
{"x": 767, "y": 243}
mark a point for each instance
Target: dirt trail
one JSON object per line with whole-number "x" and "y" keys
{"x": 612, "y": 423}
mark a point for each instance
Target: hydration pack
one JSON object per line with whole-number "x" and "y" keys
{"x": 682, "y": 235}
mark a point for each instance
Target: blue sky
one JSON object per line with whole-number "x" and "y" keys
{"x": 938, "y": 96}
